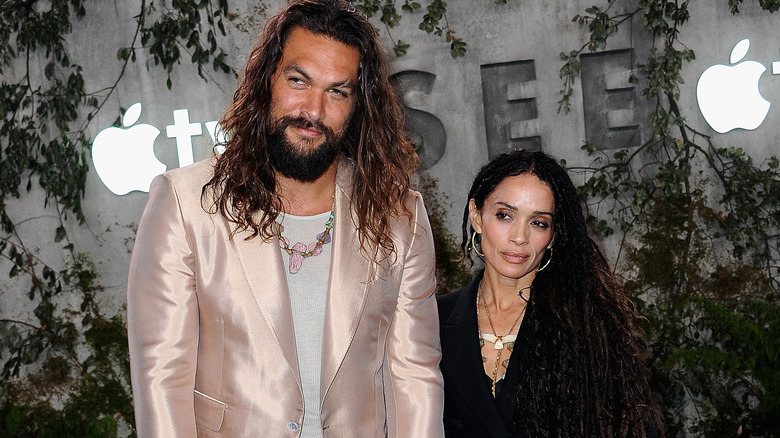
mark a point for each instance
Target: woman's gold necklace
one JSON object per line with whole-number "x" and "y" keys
{"x": 499, "y": 342}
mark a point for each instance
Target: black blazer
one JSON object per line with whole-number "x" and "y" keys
{"x": 469, "y": 408}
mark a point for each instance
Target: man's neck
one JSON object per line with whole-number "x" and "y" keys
{"x": 308, "y": 198}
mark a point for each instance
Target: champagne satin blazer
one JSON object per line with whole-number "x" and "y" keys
{"x": 212, "y": 348}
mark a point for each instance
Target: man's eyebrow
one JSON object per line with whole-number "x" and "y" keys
{"x": 298, "y": 69}
{"x": 346, "y": 83}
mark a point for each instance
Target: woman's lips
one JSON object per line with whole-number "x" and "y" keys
{"x": 514, "y": 257}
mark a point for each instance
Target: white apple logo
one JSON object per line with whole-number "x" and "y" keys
{"x": 124, "y": 158}
{"x": 728, "y": 96}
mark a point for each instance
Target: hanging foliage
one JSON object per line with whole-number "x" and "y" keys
{"x": 699, "y": 226}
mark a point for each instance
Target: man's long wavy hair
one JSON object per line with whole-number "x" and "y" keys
{"x": 581, "y": 354}
{"x": 243, "y": 187}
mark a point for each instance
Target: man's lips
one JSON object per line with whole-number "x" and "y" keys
{"x": 311, "y": 132}
{"x": 306, "y": 129}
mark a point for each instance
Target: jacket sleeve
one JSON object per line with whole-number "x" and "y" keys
{"x": 162, "y": 318}
{"x": 413, "y": 346}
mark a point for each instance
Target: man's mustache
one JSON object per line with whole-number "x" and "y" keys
{"x": 304, "y": 123}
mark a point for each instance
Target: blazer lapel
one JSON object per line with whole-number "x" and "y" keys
{"x": 463, "y": 366}
{"x": 264, "y": 270}
{"x": 349, "y": 284}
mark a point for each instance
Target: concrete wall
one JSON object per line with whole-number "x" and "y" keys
{"x": 504, "y": 93}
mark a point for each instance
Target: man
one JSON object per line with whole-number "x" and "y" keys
{"x": 286, "y": 287}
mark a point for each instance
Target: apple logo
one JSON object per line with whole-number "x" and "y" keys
{"x": 728, "y": 96}
{"x": 124, "y": 158}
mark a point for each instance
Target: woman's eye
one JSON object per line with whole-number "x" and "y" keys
{"x": 502, "y": 215}
{"x": 541, "y": 224}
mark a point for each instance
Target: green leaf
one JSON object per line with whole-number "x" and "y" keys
{"x": 60, "y": 234}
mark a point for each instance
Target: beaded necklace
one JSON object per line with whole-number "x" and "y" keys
{"x": 300, "y": 251}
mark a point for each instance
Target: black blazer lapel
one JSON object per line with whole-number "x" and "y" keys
{"x": 462, "y": 361}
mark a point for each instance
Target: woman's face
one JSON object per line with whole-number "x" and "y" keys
{"x": 516, "y": 224}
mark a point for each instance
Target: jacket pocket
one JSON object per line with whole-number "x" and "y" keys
{"x": 209, "y": 412}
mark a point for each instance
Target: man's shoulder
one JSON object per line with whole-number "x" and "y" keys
{"x": 413, "y": 196}
{"x": 187, "y": 182}
{"x": 199, "y": 172}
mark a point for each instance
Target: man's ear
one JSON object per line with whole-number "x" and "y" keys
{"x": 474, "y": 217}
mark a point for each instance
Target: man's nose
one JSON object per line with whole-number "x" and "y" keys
{"x": 313, "y": 107}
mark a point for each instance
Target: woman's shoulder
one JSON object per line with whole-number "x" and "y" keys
{"x": 449, "y": 301}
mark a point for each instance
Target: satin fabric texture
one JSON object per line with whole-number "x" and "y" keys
{"x": 212, "y": 347}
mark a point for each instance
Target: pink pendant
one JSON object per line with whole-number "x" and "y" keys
{"x": 300, "y": 247}
{"x": 300, "y": 251}
{"x": 296, "y": 260}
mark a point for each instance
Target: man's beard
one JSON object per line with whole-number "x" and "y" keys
{"x": 298, "y": 161}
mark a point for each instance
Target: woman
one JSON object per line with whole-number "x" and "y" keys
{"x": 542, "y": 342}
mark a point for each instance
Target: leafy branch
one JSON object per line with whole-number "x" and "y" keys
{"x": 601, "y": 25}
{"x": 430, "y": 23}
{"x": 699, "y": 235}
{"x": 65, "y": 341}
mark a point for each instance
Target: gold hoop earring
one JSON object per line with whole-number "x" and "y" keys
{"x": 474, "y": 244}
{"x": 548, "y": 261}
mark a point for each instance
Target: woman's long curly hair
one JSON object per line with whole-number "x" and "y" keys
{"x": 243, "y": 187}
{"x": 581, "y": 356}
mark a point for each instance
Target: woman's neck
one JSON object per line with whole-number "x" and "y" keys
{"x": 503, "y": 293}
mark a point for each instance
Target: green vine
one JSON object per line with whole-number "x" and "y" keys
{"x": 699, "y": 233}
{"x": 431, "y": 22}
{"x": 65, "y": 369}
{"x": 81, "y": 361}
